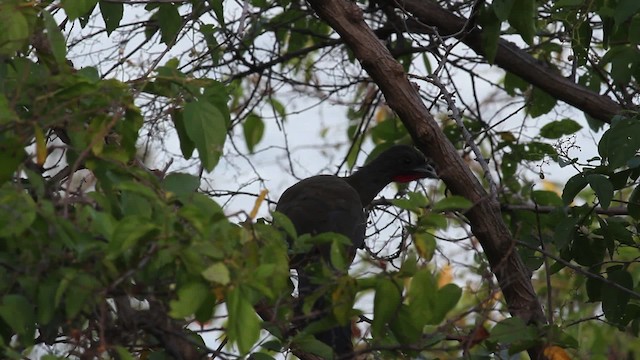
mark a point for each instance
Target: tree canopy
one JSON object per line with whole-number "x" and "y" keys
{"x": 138, "y": 139}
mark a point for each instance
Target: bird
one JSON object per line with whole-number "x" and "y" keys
{"x": 329, "y": 203}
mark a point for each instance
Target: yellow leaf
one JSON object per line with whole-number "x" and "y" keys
{"x": 41, "y": 146}
{"x": 425, "y": 244}
{"x": 551, "y": 186}
{"x": 507, "y": 136}
{"x": 556, "y": 353}
{"x": 446, "y": 276}
{"x": 256, "y": 205}
{"x": 382, "y": 114}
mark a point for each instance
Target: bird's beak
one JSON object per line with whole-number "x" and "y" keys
{"x": 426, "y": 171}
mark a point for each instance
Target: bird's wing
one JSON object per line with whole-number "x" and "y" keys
{"x": 324, "y": 203}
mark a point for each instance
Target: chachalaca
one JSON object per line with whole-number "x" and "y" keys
{"x": 328, "y": 203}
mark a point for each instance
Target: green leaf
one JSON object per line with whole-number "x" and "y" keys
{"x": 540, "y": 103}
{"x": 169, "y": 21}
{"x": 111, "y": 14}
{"x": 620, "y": 143}
{"x": 524, "y": 20}
{"x": 509, "y": 165}
{"x": 512, "y": 330}
{"x": 502, "y": 8}
{"x": 54, "y": 357}
{"x": 614, "y": 300}
{"x": 136, "y": 188}
{"x": 490, "y": 33}
{"x": 127, "y": 234}
{"x": 405, "y": 326}
{"x": 388, "y": 131}
{"x": 218, "y": 273}
{"x": 432, "y": 220}
{"x": 409, "y": 266}
{"x": 200, "y": 210}
{"x": 19, "y": 314}
{"x": 253, "y": 129}
{"x": 574, "y": 185}
{"x": 537, "y": 151}
{"x": 56, "y": 39}
{"x": 17, "y": 211}
{"x": 133, "y": 204}
{"x": 634, "y": 203}
{"x": 206, "y": 127}
{"x": 89, "y": 73}
{"x": 78, "y": 8}
{"x": 281, "y": 221}
{"x": 454, "y": 202}
{"x": 207, "y": 309}
{"x": 352, "y": 156}
{"x": 567, "y": 3}
{"x": 625, "y": 9}
{"x": 278, "y": 107}
{"x": 422, "y": 296}
{"x": 564, "y": 232}
{"x": 123, "y": 353}
{"x": 386, "y": 302}
{"x": 560, "y": 128}
{"x": 180, "y": 183}
{"x": 208, "y": 34}
{"x": 68, "y": 275}
{"x": 46, "y": 307}
{"x": 218, "y": 9}
{"x": 83, "y": 287}
{"x": 309, "y": 344}
{"x": 513, "y": 82}
{"x": 623, "y": 60}
{"x": 594, "y": 289}
{"x": 602, "y": 187}
{"x": 413, "y": 202}
{"x": 343, "y": 298}
{"x": 634, "y": 30}
{"x": 617, "y": 231}
{"x": 186, "y": 144}
{"x": 244, "y": 325}
{"x": 619, "y": 179}
{"x": 216, "y": 93}
{"x": 546, "y": 198}
{"x": 190, "y": 297}
{"x": 14, "y": 30}
{"x": 338, "y": 254}
{"x": 7, "y": 115}
{"x": 261, "y": 356}
{"x": 447, "y": 299}
{"x": 587, "y": 250}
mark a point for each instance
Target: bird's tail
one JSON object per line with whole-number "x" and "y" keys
{"x": 338, "y": 338}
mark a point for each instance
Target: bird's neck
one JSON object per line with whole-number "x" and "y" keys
{"x": 368, "y": 183}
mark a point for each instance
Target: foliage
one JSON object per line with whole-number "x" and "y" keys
{"x": 105, "y": 253}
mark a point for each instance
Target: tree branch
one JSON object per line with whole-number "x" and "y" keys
{"x": 515, "y": 60}
{"x": 346, "y": 19}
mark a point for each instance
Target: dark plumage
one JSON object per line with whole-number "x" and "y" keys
{"x": 328, "y": 203}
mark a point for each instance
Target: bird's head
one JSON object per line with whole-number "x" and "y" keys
{"x": 403, "y": 163}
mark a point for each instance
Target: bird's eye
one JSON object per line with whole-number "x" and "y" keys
{"x": 406, "y": 161}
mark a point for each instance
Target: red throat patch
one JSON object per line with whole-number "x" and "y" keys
{"x": 405, "y": 178}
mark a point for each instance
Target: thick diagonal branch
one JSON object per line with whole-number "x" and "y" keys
{"x": 515, "y": 60}
{"x": 486, "y": 222}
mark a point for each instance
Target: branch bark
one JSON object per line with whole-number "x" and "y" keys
{"x": 346, "y": 18}
{"x": 515, "y": 60}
